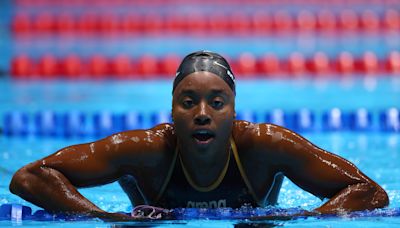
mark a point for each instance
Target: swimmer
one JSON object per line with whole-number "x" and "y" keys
{"x": 204, "y": 158}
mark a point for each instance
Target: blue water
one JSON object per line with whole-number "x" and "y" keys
{"x": 373, "y": 93}
{"x": 136, "y": 45}
{"x": 375, "y": 153}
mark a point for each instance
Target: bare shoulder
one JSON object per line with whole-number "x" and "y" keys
{"x": 258, "y": 152}
{"x": 262, "y": 138}
{"x": 156, "y": 136}
{"x": 242, "y": 131}
{"x": 247, "y": 137}
{"x": 252, "y": 134}
{"x": 143, "y": 145}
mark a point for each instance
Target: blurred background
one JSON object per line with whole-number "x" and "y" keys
{"x": 120, "y": 57}
{"x": 111, "y": 63}
{"x": 73, "y": 71}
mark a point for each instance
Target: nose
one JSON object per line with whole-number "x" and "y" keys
{"x": 202, "y": 116}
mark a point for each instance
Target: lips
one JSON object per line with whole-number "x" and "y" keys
{"x": 203, "y": 136}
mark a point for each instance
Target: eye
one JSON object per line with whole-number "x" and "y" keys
{"x": 218, "y": 103}
{"x": 187, "y": 103}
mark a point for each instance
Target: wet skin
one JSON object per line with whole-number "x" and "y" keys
{"x": 203, "y": 114}
{"x": 203, "y": 103}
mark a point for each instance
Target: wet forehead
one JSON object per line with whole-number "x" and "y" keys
{"x": 203, "y": 82}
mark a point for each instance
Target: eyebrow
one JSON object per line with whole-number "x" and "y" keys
{"x": 214, "y": 91}
{"x": 187, "y": 91}
{"x": 218, "y": 91}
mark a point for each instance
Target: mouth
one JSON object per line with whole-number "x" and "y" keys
{"x": 203, "y": 137}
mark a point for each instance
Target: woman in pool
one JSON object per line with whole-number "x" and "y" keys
{"x": 205, "y": 158}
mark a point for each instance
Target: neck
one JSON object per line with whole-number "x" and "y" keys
{"x": 205, "y": 170}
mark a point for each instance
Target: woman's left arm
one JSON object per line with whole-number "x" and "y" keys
{"x": 325, "y": 175}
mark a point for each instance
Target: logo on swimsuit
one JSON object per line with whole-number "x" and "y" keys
{"x": 209, "y": 204}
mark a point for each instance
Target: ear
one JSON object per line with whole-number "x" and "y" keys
{"x": 234, "y": 115}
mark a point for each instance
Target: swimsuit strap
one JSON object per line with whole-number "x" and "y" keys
{"x": 169, "y": 174}
{"x": 198, "y": 188}
{"x": 243, "y": 173}
{"x": 220, "y": 178}
{"x": 212, "y": 186}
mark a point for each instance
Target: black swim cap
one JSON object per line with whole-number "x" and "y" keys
{"x": 205, "y": 61}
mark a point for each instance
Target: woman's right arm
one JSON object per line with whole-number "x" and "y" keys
{"x": 52, "y": 182}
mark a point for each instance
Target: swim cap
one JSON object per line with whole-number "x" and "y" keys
{"x": 205, "y": 61}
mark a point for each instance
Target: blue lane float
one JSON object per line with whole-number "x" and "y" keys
{"x": 47, "y": 123}
{"x": 131, "y": 120}
{"x": 247, "y": 115}
{"x": 360, "y": 120}
{"x": 278, "y": 117}
{"x": 334, "y": 120}
{"x": 15, "y": 212}
{"x": 160, "y": 117}
{"x": 73, "y": 124}
{"x": 15, "y": 123}
{"x": 303, "y": 121}
{"x": 390, "y": 120}
{"x": 105, "y": 123}
{"x": 18, "y": 212}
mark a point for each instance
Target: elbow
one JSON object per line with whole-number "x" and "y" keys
{"x": 375, "y": 196}
{"x": 380, "y": 198}
{"x": 21, "y": 181}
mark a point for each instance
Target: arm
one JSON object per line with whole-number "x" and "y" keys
{"x": 52, "y": 182}
{"x": 323, "y": 174}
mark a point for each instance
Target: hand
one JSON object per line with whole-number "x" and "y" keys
{"x": 147, "y": 212}
{"x": 114, "y": 217}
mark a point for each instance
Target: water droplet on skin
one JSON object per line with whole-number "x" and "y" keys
{"x": 116, "y": 139}
{"x": 91, "y": 148}
{"x": 298, "y": 146}
{"x": 258, "y": 130}
{"x": 149, "y": 137}
{"x": 59, "y": 153}
{"x": 135, "y": 139}
{"x": 276, "y": 137}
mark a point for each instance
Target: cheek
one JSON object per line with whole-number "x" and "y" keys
{"x": 180, "y": 117}
{"x": 181, "y": 124}
{"x": 225, "y": 119}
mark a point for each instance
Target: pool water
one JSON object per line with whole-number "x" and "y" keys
{"x": 376, "y": 153}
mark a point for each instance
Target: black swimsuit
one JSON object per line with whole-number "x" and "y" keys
{"x": 231, "y": 192}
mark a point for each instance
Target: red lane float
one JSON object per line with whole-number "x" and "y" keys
{"x": 22, "y": 66}
{"x": 319, "y": 64}
{"x": 269, "y": 64}
{"x": 199, "y": 3}
{"x": 236, "y": 22}
{"x": 48, "y": 66}
{"x": 122, "y": 66}
{"x": 296, "y": 64}
{"x": 71, "y": 66}
{"x": 345, "y": 63}
{"x": 245, "y": 65}
{"x": 147, "y": 66}
{"x": 393, "y": 62}
{"x": 169, "y": 64}
{"x": 98, "y": 66}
